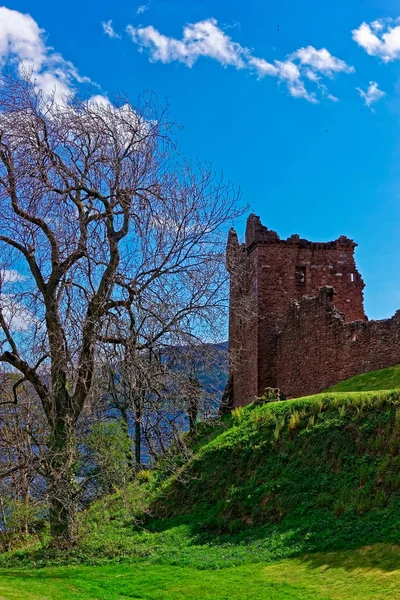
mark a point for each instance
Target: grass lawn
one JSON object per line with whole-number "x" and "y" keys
{"x": 373, "y": 572}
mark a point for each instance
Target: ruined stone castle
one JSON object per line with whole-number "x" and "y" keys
{"x": 297, "y": 318}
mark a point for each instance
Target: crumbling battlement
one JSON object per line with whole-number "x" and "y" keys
{"x": 266, "y": 275}
{"x": 257, "y": 233}
{"x": 318, "y": 348}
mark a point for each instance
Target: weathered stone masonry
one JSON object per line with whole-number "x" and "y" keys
{"x": 317, "y": 348}
{"x": 287, "y": 332}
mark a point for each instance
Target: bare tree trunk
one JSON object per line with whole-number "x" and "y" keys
{"x": 25, "y": 500}
{"x": 138, "y": 434}
{"x": 193, "y": 400}
{"x": 63, "y": 489}
{"x": 125, "y": 425}
{"x": 5, "y": 533}
{"x": 193, "y": 412}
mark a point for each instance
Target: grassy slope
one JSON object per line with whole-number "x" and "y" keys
{"x": 386, "y": 379}
{"x": 296, "y": 463}
{"x": 280, "y": 504}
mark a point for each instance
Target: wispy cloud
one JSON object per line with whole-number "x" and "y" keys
{"x": 371, "y": 95}
{"x": 207, "y": 39}
{"x": 380, "y": 38}
{"x": 234, "y": 25}
{"x": 23, "y": 42}
{"x": 109, "y": 30}
{"x": 143, "y": 8}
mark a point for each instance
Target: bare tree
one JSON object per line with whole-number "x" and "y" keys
{"x": 23, "y": 435}
{"x": 160, "y": 378}
{"x": 115, "y": 237}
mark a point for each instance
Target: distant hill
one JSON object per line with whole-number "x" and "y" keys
{"x": 209, "y": 364}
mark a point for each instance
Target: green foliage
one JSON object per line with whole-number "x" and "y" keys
{"x": 238, "y": 414}
{"x": 25, "y": 520}
{"x": 109, "y": 450}
{"x": 144, "y": 476}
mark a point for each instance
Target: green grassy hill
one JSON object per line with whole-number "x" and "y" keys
{"x": 386, "y": 379}
{"x": 295, "y": 500}
{"x": 325, "y": 463}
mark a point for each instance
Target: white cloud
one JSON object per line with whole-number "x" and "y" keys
{"x": 11, "y": 276}
{"x": 311, "y": 75}
{"x": 142, "y": 9}
{"x": 290, "y": 73}
{"x": 23, "y": 43}
{"x": 380, "y": 38}
{"x": 99, "y": 100}
{"x": 131, "y": 126}
{"x": 109, "y": 30}
{"x": 332, "y": 97}
{"x": 377, "y": 25}
{"x": 371, "y": 95}
{"x": 206, "y": 39}
{"x": 325, "y": 92}
{"x": 321, "y": 61}
{"x": 263, "y": 67}
{"x": 18, "y": 318}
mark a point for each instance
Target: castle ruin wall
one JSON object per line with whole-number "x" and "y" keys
{"x": 317, "y": 347}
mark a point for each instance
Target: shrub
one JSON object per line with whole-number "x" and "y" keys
{"x": 144, "y": 476}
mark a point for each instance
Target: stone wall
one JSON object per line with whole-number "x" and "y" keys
{"x": 317, "y": 347}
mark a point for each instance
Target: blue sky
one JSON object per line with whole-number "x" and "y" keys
{"x": 257, "y": 101}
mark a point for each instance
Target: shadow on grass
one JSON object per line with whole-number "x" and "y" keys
{"x": 319, "y": 541}
{"x": 299, "y": 534}
{"x": 382, "y": 557}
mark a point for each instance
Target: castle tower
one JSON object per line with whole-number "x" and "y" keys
{"x": 266, "y": 273}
